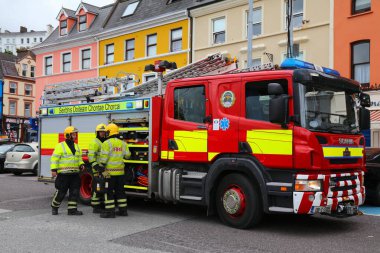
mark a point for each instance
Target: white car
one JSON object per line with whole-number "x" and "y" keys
{"x": 21, "y": 158}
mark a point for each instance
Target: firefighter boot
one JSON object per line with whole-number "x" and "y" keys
{"x": 74, "y": 212}
{"x": 122, "y": 212}
{"x": 107, "y": 214}
{"x": 54, "y": 210}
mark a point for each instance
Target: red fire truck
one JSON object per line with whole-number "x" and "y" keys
{"x": 241, "y": 144}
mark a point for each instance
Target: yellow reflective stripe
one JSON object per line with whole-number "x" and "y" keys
{"x": 122, "y": 201}
{"x": 339, "y": 151}
{"x": 171, "y": 155}
{"x": 164, "y": 154}
{"x": 191, "y": 141}
{"x": 122, "y": 205}
{"x": 116, "y": 170}
{"x": 271, "y": 142}
{"x": 49, "y": 141}
{"x": 211, "y": 155}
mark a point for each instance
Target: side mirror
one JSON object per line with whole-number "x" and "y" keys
{"x": 364, "y": 119}
{"x": 275, "y": 89}
{"x": 365, "y": 100}
{"x": 277, "y": 109}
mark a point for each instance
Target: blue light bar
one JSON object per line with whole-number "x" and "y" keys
{"x": 292, "y": 63}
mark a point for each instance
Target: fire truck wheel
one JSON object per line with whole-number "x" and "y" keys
{"x": 85, "y": 186}
{"x": 238, "y": 202}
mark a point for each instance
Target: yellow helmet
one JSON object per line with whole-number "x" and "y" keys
{"x": 69, "y": 130}
{"x": 101, "y": 128}
{"x": 112, "y": 129}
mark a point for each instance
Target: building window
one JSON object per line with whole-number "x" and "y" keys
{"x": 148, "y": 77}
{"x": 22, "y": 41}
{"x": 190, "y": 104}
{"x": 40, "y": 39}
{"x": 63, "y": 28}
{"x": 28, "y": 89}
{"x": 298, "y": 56}
{"x": 34, "y": 40}
{"x": 24, "y": 69}
{"x": 219, "y": 30}
{"x": 27, "y": 110}
{"x": 7, "y": 40}
{"x": 32, "y": 70}
{"x": 82, "y": 23}
{"x": 86, "y": 59}
{"x": 359, "y": 6}
{"x": 297, "y": 14}
{"x": 28, "y": 40}
{"x": 130, "y": 49}
{"x": 14, "y": 41}
{"x": 256, "y": 21}
{"x": 131, "y": 8}
{"x": 12, "y": 107}
{"x": 151, "y": 48}
{"x": 48, "y": 65}
{"x": 176, "y": 40}
{"x": 360, "y": 57}
{"x": 109, "y": 53}
{"x": 12, "y": 88}
{"x": 66, "y": 62}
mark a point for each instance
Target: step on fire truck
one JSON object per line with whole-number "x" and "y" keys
{"x": 241, "y": 143}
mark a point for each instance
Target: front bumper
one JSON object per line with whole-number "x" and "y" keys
{"x": 342, "y": 195}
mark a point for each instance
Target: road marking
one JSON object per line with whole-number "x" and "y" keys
{"x": 370, "y": 210}
{"x": 5, "y": 211}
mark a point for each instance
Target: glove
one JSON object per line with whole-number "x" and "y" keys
{"x": 82, "y": 167}
{"x": 99, "y": 168}
{"x": 106, "y": 174}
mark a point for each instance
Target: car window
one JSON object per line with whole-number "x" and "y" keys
{"x": 376, "y": 159}
{"x": 23, "y": 148}
{"x": 5, "y": 148}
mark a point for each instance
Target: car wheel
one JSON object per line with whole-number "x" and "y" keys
{"x": 238, "y": 202}
{"x": 376, "y": 195}
{"x": 17, "y": 173}
{"x": 35, "y": 170}
{"x": 85, "y": 191}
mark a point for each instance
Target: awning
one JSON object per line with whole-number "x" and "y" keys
{"x": 375, "y": 115}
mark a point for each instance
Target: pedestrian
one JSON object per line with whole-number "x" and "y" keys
{"x": 94, "y": 149}
{"x": 114, "y": 150}
{"x": 66, "y": 162}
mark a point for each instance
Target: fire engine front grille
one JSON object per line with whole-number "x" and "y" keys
{"x": 344, "y": 184}
{"x": 343, "y": 161}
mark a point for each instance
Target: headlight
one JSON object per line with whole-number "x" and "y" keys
{"x": 308, "y": 185}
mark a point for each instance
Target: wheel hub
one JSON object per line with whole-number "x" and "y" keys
{"x": 234, "y": 201}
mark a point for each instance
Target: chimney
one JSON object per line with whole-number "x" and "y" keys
{"x": 23, "y": 29}
{"x": 49, "y": 29}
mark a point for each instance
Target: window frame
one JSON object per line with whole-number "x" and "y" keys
{"x": 15, "y": 108}
{"x": 46, "y": 66}
{"x": 172, "y": 41}
{"x": 31, "y": 89}
{"x": 174, "y": 116}
{"x": 16, "y": 88}
{"x": 148, "y": 75}
{"x": 220, "y": 32}
{"x": 133, "y": 10}
{"x": 353, "y": 44}
{"x": 63, "y": 62}
{"x": 30, "y": 109}
{"x": 81, "y": 22}
{"x": 32, "y": 70}
{"x": 151, "y": 45}
{"x": 24, "y": 69}
{"x": 82, "y": 59}
{"x": 294, "y": 14}
{"x": 127, "y": 50}
{"x": 261, "y": 22}
{"x": 61, "y": 27}
{"x": 354, "y": 11}
{"x": 107, "y": 54}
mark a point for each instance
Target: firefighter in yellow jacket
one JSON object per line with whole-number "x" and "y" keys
{"x": 66, "y": 162}
{"x": 113, "y": 153}
{"x": 94, "y": 149}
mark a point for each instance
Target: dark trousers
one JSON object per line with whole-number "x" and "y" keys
{"x": 115, "y": 191}
{"x": 65, "y": 182}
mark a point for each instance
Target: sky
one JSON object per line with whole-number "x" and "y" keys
{"x": 36, "y": 14}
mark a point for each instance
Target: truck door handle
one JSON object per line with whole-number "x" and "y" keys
{"x": 172, "y": 145}
{"x": 201, "y": 127}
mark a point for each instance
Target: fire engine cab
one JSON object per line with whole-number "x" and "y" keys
{"x": 241, "y": 143}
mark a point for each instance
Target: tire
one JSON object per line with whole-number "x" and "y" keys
{"x": 85, "y": 190}
{"x": 17, "y": 173}
{"x": 238, "y": 202}
{"x": 35, "y": 170}
{"x": 376, "y": 195}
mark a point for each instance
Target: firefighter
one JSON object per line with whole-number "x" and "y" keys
{"x": 94, "y": 149}
{"x": 66, "y": 162}
{"x": 113, "y": 152}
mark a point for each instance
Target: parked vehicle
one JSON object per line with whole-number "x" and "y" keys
{"x": 22, "y": 158}
{"x": 241, "y": 144}
{"x": 372, "y": 177}
{"x": 4, "y": 148}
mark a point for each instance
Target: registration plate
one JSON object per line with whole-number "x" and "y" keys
{"x": 10, "y": 166}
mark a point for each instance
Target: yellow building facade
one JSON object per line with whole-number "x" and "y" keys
{"x": 161, "y": 35}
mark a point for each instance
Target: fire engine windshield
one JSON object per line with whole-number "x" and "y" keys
{"x": 328, "y": 109}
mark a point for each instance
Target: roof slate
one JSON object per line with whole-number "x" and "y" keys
{"x": 70, "y": 13}
{"x": 91, "y": 8}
